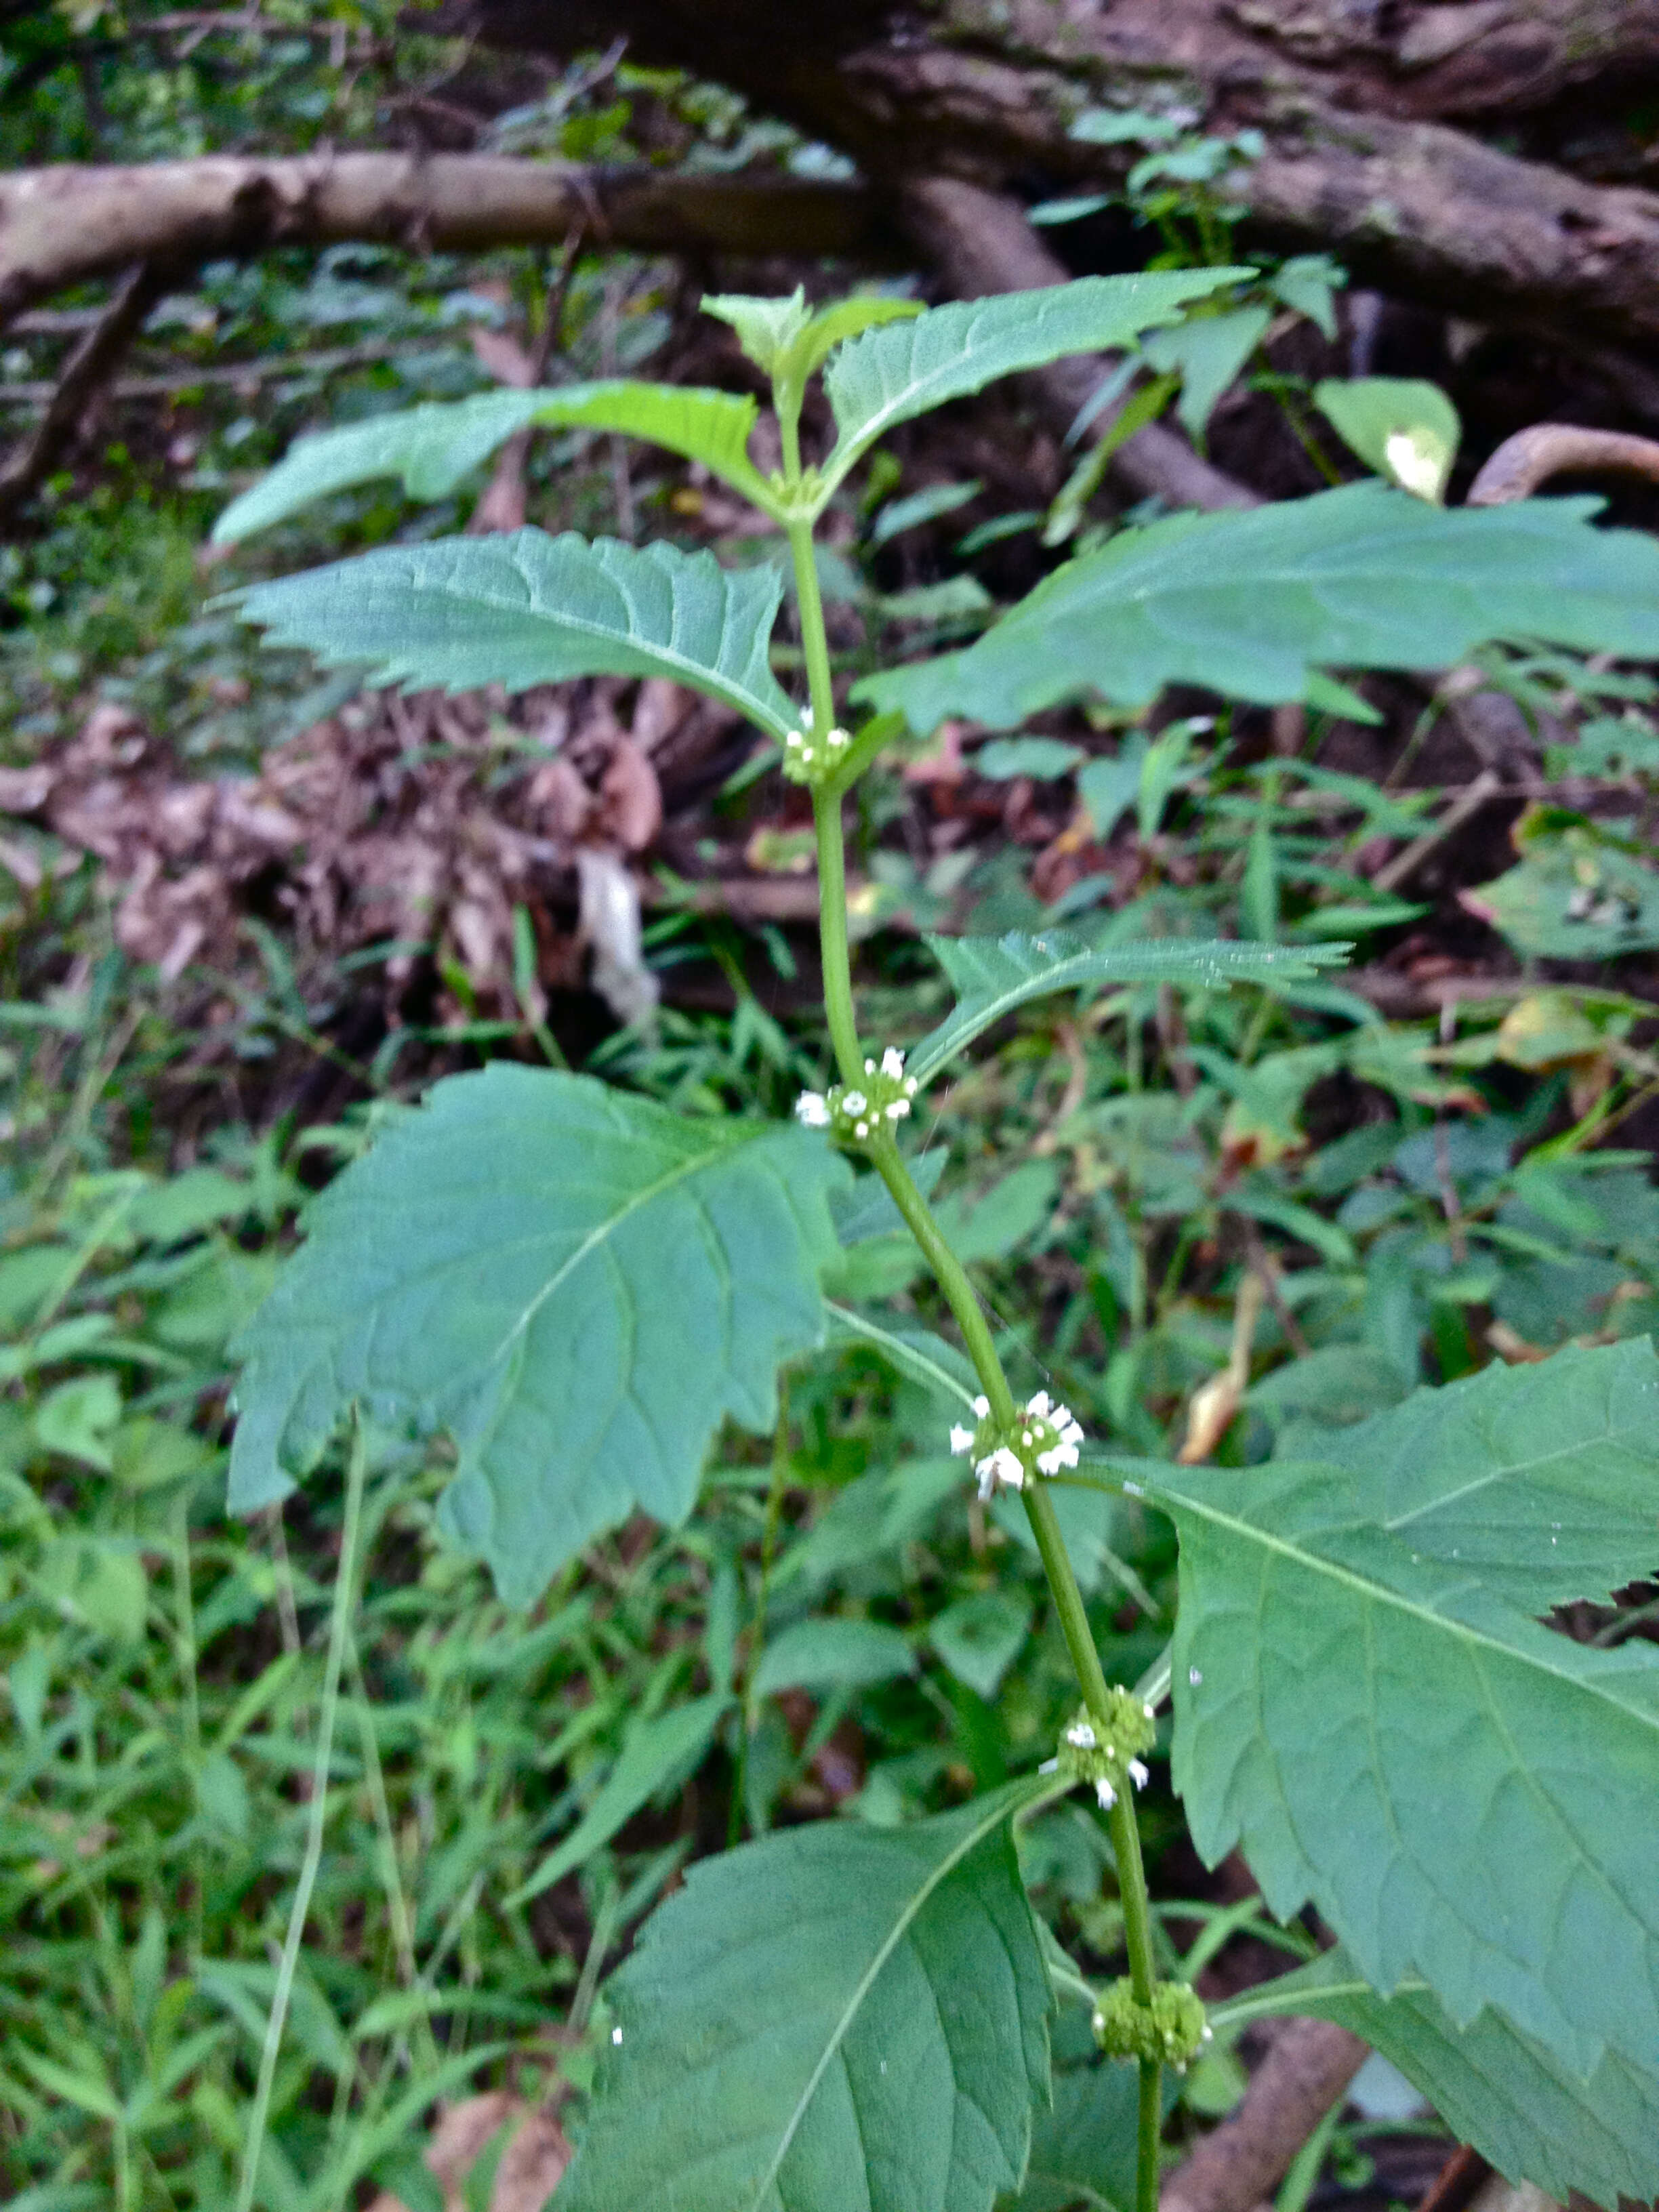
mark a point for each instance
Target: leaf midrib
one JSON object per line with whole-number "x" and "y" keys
{"x": 697, "y": 675}
{"x": 1004, "y": 1810}
{"x": 1515, "y": 1470}
{"x": 682, "y": 1170}
{"x": 1379, "y": 1593}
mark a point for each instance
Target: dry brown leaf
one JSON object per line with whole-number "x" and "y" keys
{"x": 530, "y": 2165}
{"x": 630, "y": 810}
{"x": 1213, "y": 1406}
{"x": 508, "y": 362}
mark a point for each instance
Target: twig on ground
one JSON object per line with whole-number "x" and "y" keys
{"x": 84, "y": 375}
{"x": 1310, "y": 2064}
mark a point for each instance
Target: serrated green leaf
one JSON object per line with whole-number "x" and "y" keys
{"x": 1464, "y": 1795}
{"x": 833, "y": 1654}
{"x": 434, "y": 447}
{"x": 1540, "y": 1481}
{"x": 887, "y": 376}
{"x": 574, "y": 1283}
{"x": 837, "y": 2014}
{"x": 1496, "y": 2088}
{"x": 1250, "y": 602}
{"x": 992, "y": 976}
{"x": 524, "y": 608}
{"x": 658, "y": 1752}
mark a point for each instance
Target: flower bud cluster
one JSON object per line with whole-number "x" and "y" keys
{"x": 855, "y": 1112}
{"x": 1103, "y": 1748}
{"x": 811, "y": 758}
{"x": 1172, "y": 2029}
{"x": 1042, "y": 1438}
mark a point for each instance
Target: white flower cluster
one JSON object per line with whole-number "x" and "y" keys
{"x": 1083, "y": 1735}
{"x": 1045, "y": 1438}
{"x": 808, "y": 759}
{"x": 856, "y": 1115}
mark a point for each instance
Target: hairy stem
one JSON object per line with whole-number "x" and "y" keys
{"x": 963, "y": 1301}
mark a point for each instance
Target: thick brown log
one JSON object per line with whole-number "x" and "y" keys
{"x": 61, "y": 226}
{"x": 1423, "y": 59}
{"x": 987, "y": 89}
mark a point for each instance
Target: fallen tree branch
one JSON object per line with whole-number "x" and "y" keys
{"x": 981, "y": 242}
{"x": 67, "y": 224}
{"x": 1348, "y": 166}
{"x": 86, "y": 373}
{"x": 1308, "y": 2066}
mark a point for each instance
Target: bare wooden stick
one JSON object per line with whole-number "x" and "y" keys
{"x": 1310, "y": 2064}
{"x": 1543, "y": 450}
{"x": 85, "y": 374}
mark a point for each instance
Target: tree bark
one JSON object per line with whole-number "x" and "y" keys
{"x": 1348, "y": 95}
{"x": 62, "y": 225}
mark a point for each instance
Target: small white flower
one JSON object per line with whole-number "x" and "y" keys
{"x": 898, "y": 1109}
{"x": 615, "y": 2035}
{"x": 860, "y": 1128}
{"x": 1138, "y": 1773}
{"x": 813, "y": 1109}
{"x": 869, "y": 1066}
{"x": 892, "y": 1062}
{"x": 1105, "y": 1794}
{"x": 854, "y": 1102}
{"x": 961, "y": 1440}
{"x": 982, "y": 1406}
{"x": 1002, "y": 1466}
{"x": 1082, "y": 1734}
{"x": 910, "y": 1086}
{"x": 1039, "y": 1405}
{"x": 838, "y": 740}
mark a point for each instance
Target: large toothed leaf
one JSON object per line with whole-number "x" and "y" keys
{"x": 434, "y": 447}
{"x": 1466, "y": 1796}
{"x": 576, "y": 1284}
{"x": 839, "y": 2016}
{"x": 1541, "y": 1481}
{"x": 1252, "y": 603}
{"x": 992, "y": 976}
{"x": 1496, "y": 2088}
{"x": 525, "y": 608}
{"x": 903, "y": 369}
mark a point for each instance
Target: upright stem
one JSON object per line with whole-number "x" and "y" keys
{"x": 963, "y": 1301}
{"x": 339, "y": 1622}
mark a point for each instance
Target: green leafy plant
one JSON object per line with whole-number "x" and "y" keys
{"x": 578, "y": 1286}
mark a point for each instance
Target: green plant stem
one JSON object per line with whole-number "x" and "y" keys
{"x": 750, "y": 1713}
{"x": 184, "y": 1634}
{"x": 832, "y": 936}
{"x": 339, "y": 1622}
{"x": 963, "y": 1301}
